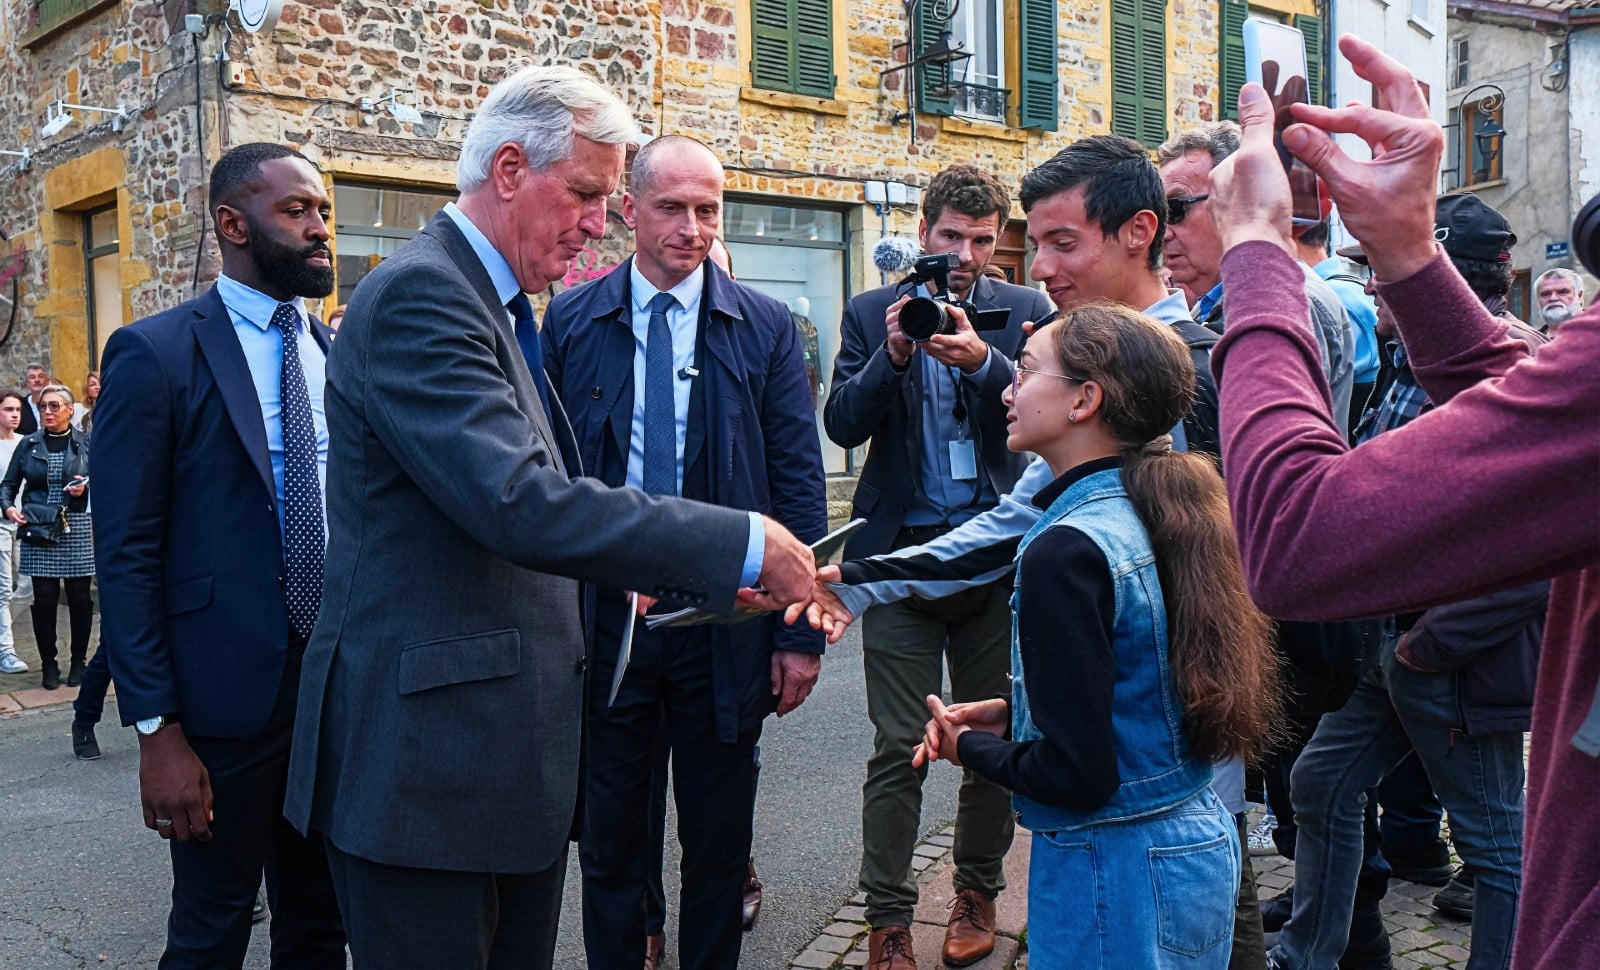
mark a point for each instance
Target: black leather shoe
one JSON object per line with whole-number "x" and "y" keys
{"x": 51, "y": 676}
{"x": 1430, "y": 867}
{"x": 75, "y": 673}
{"x": 1275, "y": 911}
{"x": 1368, "y": 948}
{"x": 84, "y": 745}
{"x": 1456, "y": 899}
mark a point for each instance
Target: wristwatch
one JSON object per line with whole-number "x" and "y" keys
{"x": 151, "y": 725}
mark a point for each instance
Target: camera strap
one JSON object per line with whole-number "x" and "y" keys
{"x": 958, "y": 411}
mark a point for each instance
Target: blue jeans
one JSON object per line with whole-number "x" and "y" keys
{"x": 1478, "y": 778}
{"x": 1155, "y": 892}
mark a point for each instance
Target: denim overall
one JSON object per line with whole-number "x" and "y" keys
{"x": 1148, "y": 879}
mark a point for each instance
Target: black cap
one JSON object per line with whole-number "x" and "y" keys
{"x": 1468, "y": 228}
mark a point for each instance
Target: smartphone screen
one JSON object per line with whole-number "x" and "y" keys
{"x": 1275, "y": 58}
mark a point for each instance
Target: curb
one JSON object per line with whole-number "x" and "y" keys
{"x": 843, "y": 942}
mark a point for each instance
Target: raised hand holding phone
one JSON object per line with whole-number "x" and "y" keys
{"x": 1275, "y": 58}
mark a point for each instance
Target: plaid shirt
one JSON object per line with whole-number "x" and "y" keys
{"x": 1402, "y": 402}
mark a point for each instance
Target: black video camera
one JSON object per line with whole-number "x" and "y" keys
{"x": 923, "y": 317}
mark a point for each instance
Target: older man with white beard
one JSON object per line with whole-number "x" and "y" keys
{"x": 1560, "y": 296}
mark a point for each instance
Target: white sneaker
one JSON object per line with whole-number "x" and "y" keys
{"x": 1260, "y": 839}
{"x": 10, "y": 663}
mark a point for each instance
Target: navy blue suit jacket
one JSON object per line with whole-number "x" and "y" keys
{"x": 188, "y": 550}
{"x": 751, "y": 441}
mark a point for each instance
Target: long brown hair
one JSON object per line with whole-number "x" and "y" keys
{"x": 1220, "y": 645}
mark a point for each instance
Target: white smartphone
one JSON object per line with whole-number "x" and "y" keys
{"x": 1275, "y": 58}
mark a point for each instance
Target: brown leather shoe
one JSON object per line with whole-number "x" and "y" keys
{"x": 752, "y": 896}
{"x": 970, "y": 935}
{"x": 654, "y": 947}
{"x": 889, "y": 948}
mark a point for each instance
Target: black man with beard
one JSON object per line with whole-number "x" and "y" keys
{"x": 210, "y": 535}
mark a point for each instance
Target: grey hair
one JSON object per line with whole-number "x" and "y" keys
{"x": 60, "y": 389}
{"x": 1560, "y": 272}
{"x": 644, "y": 163}
{"x": 1219, "y": 140}
{"x": 543, "y": 110}
{"x": 34, "y": 365}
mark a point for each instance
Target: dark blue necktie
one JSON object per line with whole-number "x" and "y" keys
{"x": 304, "y": 536}
{"x": 660, "y": 410}
{"x": 528, "y": 339}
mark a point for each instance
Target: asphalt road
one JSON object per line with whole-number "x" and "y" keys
{"x": 83, "y": 884}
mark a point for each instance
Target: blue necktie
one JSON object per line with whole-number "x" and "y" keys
{"x": 528, "y": 339}
{"x": 304, "y": 536}
{"x": 660, "y": 410}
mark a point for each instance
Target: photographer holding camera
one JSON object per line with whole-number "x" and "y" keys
{"x": 932, "y": 410}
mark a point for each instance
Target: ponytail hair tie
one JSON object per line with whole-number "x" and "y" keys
{"x": 1155, "y": 447}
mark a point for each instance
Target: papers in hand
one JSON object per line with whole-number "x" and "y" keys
{"x": 822, "y": 550}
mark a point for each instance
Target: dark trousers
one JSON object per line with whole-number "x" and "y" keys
{"x": 655, "y": 896}
{"x": 90, "y": 703}
{"x": 1411, "y": 811}
{"x": 1249, "y": 939}
{"x": 80, "y": 613}
{"x": 400, "y": 918}
{"x": 214, "y": 883}
{"x": 669, "y": 679}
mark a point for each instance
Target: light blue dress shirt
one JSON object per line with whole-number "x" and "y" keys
{"x": 943, "y": 500}
{"x": 684, "y": 322}
{"x": 1363, "y": 313}
{"x": 251, "y": 312}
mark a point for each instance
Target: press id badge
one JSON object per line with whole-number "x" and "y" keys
{"x": 963, "y": 460}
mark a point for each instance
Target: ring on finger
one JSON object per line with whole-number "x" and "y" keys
{"x": 163, "y": 823}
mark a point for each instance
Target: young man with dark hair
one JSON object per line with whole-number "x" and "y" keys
{"x": 932, "y": 411}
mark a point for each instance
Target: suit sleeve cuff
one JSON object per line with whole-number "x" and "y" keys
{"x": 978, "y": 376}
{"x": 754, "y": 551}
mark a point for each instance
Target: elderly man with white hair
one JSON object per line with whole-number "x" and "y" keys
{"x": 1559, "y": 293}
{"x": 441, "y": 707}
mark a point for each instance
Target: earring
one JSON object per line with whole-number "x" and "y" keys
{"x": 1072, "y": 417}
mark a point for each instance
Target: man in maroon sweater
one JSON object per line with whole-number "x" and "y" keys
{"x": 1299, "y": 493}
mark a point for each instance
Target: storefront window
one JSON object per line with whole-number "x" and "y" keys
{"x": 372, "y": 222}
{"x": 103, "y": 274}
{"x": 797, "y": 255}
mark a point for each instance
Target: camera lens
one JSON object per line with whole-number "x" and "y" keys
{"x": 921, "y": 318}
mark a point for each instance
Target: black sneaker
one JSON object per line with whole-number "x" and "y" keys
{"x": 1456, "y": 899}
{"x": 1430, "y": 867}
{"x": 84, "y": 745}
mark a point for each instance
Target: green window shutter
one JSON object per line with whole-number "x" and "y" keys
{"x": 813, "y": 38}
{"x": 1153, "y": 72}
{"x": 1125, "y": 68}
{"x": 1139, "y": 70}
{"x": 1037, "y": 99}
{"x": 1233, "y": 17}
{"x": 931, "y": 76}
{"x": 1311, "y": 27}
{"x": 772, "y": 64}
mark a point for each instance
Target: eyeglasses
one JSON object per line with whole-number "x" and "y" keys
{"x": 1178, "y": 207}
{"x": 1020, "y": 369}
{"x": 54, "y": 406}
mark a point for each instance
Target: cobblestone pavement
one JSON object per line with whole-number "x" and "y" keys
{"x": 1419, "y": 935}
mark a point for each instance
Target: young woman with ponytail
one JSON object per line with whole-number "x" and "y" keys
{"x": 1137, "y": 659}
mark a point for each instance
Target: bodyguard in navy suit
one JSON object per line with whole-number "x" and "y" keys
{"x": 210, "y": 442}
{"x": 679, "y": 380}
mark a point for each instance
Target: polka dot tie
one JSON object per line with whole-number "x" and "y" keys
{"x": 660, "y": 405}
{"x": 304, "y": 535}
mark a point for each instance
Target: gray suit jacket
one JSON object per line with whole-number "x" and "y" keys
{"x": 442, "y": 695}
